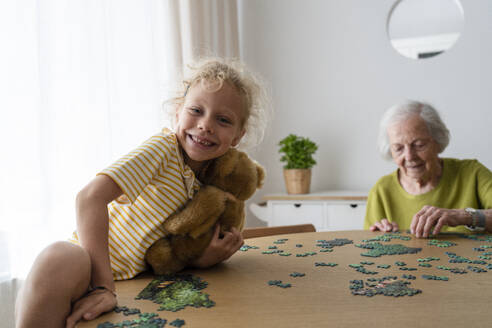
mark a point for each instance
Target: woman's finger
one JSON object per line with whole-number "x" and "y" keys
{"x": 432, "y": 218}
{"x": 387, "y": 226}
{"x": 421, "y": 218}
{"x": 438, "y": 227}
{"x": 378, "y": 226}
{"x": 416, "y": 219}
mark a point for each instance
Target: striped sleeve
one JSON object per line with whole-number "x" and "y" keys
{"x": 136, "y": 170}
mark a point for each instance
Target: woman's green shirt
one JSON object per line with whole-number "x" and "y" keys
{"x": 464, "y": 183}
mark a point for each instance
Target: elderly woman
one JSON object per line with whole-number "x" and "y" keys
{"x": 426, "y": 194}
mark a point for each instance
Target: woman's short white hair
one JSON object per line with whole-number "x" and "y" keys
{"x": 403, "y": 111}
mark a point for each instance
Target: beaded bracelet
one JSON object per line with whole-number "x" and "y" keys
{"x": 103, "y": 288}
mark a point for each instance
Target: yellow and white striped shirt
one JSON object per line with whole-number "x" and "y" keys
{"x": 156, "y": 183}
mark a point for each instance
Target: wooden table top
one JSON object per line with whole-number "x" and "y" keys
{"x": 322, "y": 298}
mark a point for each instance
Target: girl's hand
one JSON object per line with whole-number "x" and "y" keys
{"x": 91, "y": 306}
{"x": 434, "y": 217}
{"x": 220, "y": 249}
{"x": 384, "y": 225}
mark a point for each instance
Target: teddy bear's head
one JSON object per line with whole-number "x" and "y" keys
{"x": 235, "y": 173}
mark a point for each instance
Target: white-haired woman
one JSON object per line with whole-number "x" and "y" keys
{"x": 426, "y": 194}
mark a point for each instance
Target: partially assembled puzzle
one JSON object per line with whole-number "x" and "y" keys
{"x": 176, "y": 292}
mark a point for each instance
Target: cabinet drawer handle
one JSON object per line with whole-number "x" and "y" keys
{"x": 353, "y": 205}
{"x": 297, "y": 205}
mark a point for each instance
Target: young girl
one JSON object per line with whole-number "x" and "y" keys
{"x": 120, "y": 212}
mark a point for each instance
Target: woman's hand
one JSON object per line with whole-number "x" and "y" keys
{"x": 91, "y": 306}
{"x": 220, "y": 249}
{"x": 384, "y": 225}
{"x": 431, "y": 216}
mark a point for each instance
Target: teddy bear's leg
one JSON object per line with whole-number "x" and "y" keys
{"x": 162, "y": 259}
{"x": 188, "y": 249}
{"x": 208, "y": 203}
{"x": 204, "y": 227}
{"x": 233, "y": 215}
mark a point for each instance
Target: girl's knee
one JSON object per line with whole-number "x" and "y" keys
{"x": 65, "y": 251}
{"x": 64, "y": 258}
{"x": 60, "y": 274}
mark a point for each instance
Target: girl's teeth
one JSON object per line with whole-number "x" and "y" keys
{"x": 203, "y": 142}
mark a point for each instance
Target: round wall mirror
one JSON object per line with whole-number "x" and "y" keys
{"x": 421, "y": 29}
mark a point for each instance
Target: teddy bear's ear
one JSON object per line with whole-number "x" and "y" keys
{"x": 260, "y": 174}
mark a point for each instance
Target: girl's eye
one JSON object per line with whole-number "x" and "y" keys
{"x": 225, "y": 120}
{"x": 194, "y": 110}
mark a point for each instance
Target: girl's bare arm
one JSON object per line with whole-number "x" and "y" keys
{"x": 93, "y": 223}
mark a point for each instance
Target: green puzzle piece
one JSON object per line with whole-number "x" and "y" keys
{"x": 377, "y": 249}
{"x": 175, "y": 292}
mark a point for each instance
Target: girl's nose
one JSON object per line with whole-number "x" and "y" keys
{"x": 205, "y": 125}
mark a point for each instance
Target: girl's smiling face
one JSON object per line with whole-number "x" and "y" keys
{"x": 209, "y": 122}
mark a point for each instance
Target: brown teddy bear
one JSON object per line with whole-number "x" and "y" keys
{"x": 227, "y": 182}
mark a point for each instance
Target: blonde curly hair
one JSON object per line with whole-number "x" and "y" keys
{"x": 213, "y": 73}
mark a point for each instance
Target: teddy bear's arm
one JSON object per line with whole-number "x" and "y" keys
{"x": 232, "y": 216}
{"x": 207, "y": 204}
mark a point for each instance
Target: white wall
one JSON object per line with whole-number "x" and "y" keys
{"x": 416, "y": 18}
{"x": 333, "y": 73}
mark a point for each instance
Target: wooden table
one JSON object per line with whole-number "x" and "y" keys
{"x": 322, "y": 297}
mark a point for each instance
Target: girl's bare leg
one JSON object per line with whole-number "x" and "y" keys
{"x": 60, "y": 275}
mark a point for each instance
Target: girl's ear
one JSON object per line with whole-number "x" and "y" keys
{"x": 177, "y": 111}
{"x": 238, "y": 138}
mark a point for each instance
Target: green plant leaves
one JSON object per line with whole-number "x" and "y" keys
{"x": 297, "y": 152}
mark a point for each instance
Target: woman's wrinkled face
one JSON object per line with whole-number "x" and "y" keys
{"x": 413, "y": 149}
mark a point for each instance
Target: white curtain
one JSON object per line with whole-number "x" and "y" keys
{"x": 81, "y": 84}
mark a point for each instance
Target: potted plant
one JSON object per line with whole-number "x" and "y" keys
{"x": 298, "y": 155}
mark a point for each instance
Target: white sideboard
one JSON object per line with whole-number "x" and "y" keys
{"x": 327, "y": 211}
